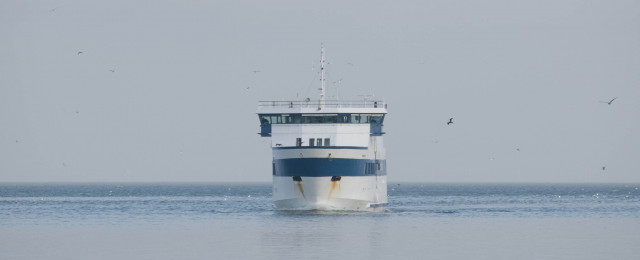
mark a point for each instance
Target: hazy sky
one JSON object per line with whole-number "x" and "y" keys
{"x": 166, "y": 90}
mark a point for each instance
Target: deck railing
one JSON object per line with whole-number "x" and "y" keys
{"x": 324, "y": 104}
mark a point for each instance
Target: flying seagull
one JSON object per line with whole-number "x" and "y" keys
{"x": 112, "y": 70}
{"x": 450, "y": 121}
{"x": 80, "y": 52}
{"x": 610, "y": 101}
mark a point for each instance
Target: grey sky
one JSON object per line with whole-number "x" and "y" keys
{"x": 522, "y": 79}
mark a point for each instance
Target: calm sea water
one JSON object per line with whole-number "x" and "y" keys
{"x": 237, "y": 221}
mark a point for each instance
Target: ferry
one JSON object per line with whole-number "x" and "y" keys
{"x": 327, "y": 154}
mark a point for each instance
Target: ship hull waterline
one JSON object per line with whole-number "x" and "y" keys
{"x": 349, "y": 193}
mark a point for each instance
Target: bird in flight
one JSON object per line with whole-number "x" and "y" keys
{"x": 80, "y": 52}
{"x": 112, "y": 70}
{"x": 610, "y": 101}
{"x": 55, "y": 9}
{"x": 255, "y": 71}
{"x": 450, "y": 121}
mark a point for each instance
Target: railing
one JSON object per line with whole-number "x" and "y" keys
{"x": 324, "y": 104}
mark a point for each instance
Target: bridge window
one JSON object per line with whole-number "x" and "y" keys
{"x": 311, "y": 141}
{"x": 365, "y": 118}
{"x": 286, "y": 119}
{"x": 376, "y": 118}
{"x": 306, "y": 120}
{"x": 265, "y": 120}
{"x": 320, "y": 118}
{"x": 331, "y": 119}
{"x": 326, "y": 142}
{"x": 319, "y": 142}
{"x": 298, "y": 142}
{"x": 297, "y": 119}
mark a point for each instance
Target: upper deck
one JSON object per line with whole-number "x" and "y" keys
{"x": 324, "y": 106}
{"x": 321, "y": 114}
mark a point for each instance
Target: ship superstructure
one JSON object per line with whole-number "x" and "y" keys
{"x": 327, "y": 154}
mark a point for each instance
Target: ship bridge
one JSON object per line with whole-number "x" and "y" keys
{"x": 320, "y": 116}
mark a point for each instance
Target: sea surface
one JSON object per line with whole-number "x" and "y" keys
{"x": 238, "y": 221}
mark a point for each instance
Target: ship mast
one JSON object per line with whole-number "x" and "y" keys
{"x": 322, "y": 79}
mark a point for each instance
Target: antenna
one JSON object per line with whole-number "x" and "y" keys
{"x": 322, "y": 79}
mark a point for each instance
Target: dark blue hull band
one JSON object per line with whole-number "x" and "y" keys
{"x": 326, "y": 167}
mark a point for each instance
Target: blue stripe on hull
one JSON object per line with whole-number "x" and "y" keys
{"x": 325, "y": 167}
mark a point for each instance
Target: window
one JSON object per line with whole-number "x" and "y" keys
{"x": 298, "y": 142}
{"x": 321, "y": 118}
{"x": 265, "y": 120}
{"x": 306, "y": 120}
{"x": 311, "y": 141}
{"x": 318, "y": 119}
{"x": 326, "y": 142}
{"x": 286, "y": 119}
{"x": 297, "y": 119}
{"x": 376, "y": 118}
{"x": 319, "y": 142}
{"x": 355, "y": 118}
{"x": 331, "y": 119}
{"x": 374, "y": 168}
{"x": 364, "y": 118}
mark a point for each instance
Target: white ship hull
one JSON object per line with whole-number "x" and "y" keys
{"x": 320, "y": 193}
